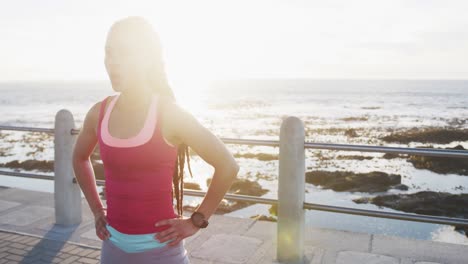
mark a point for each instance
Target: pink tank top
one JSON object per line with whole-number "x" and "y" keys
{"x": 138, "y": 174}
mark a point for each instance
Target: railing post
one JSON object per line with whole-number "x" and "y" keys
{"x": 66, "y": 193}
{"x": 291, "y": 192}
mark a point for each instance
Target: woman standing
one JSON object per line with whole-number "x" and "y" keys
{"x": 143, "y": 137}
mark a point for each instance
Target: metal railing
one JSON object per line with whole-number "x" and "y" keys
{"x": 291, "y": 178}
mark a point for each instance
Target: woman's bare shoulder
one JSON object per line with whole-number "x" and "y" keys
{"x": 176, "y": 113}
{"x": 177, "y": 119}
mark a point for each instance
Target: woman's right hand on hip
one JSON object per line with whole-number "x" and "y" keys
{"x": 100, "y": 220}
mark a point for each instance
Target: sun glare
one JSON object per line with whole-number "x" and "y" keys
{"x": 197, "y": 50}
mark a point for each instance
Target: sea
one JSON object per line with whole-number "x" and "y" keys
{"x": 254, "y": 109}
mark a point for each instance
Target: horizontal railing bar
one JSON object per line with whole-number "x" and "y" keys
{"x": 27, "y": 175}
{"x": 32, "y": 129}
{"x": 329, "y": 146}
{"x": 258, "y": 142}
{"x": 396, "y": 150}
{"x": 389, "y": 215}
{"x": 235, "y": 197}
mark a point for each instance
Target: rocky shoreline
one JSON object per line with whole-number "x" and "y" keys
{"x": 436, "y": 135}
{"x": 340, "y": 181}
{"x": 441, "y": 165}
{"x": 426, "y": 203}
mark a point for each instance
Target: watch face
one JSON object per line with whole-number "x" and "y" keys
{"x": 199, "y": 220}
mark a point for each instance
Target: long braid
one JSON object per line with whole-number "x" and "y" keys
{"x": 178, "y": 177}
{"x": 181, "y": 179}
{"x": 175, "y": 180}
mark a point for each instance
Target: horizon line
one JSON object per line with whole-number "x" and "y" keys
{"x": 254, "y": 79}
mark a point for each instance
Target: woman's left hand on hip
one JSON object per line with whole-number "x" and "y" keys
{"x": 179, "y": 229}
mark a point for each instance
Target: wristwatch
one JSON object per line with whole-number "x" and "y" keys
{"x": 198, "y": 220}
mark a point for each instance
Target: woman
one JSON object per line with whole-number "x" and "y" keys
{"x": 143, "y": 137}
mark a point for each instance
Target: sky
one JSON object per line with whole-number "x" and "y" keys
{"x": 217, "y": 39}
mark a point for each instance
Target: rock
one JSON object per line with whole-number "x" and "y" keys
{"x": 273, "y": 217}
{"x": 371, "y": 182}
{"x": 428, "y": 135}
{"x": 259, "y": 176}
{"x": 370, "y": 107}
{"x": 356, "y": 157}
{"x": 223, "y": 207}
{"x": 41, "y": 165}
{"x": 192, "y": 185}
{"x": 239, "y": 186}
{"x": 457, "y": 122}
{"x": 442, "y": 165}
{"x": 4, "y": 153}
{"x": 3, "y": 134}
{"x": 425, "y": 202}
{"x": 273, "y": 210}
{"x": 355, "y": 118}
{"x": 393, "y": 156}
{"x": 351, "y": 133}
{"x": 401, "y": 187}
{"x": 244, "y": 187}
{"x": 462, "y": 230}
{"x": 264, "y": 218}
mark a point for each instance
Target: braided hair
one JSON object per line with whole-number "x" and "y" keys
{"x": 178, "y": 177}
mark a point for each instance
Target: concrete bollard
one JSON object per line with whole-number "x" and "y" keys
{"x": 66, "y": 193}
{"x": 291, "y": 192}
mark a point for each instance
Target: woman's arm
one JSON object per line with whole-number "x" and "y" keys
{"x": 186, "y": 129}
{"x": 211, "y": 149}
{"x": 84, "y": 173}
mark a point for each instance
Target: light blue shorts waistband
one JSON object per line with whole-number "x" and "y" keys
{"x": 134, "y": 242}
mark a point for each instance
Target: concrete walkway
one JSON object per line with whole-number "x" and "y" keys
{"x": 28, "y": 235}
{"x": 25, "y": 248}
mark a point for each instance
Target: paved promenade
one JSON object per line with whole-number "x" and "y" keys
{"x": 28, "y": 235}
